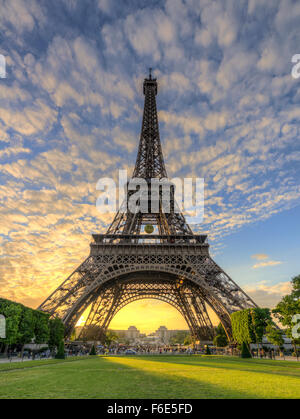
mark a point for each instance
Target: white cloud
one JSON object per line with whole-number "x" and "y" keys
{"x": 7, "y": 152}
{"x": 21, "y": 14}
{"x": 218, "y": 24}
{"x": 266, "y": 264}
{"x": 105, "y": 5}
{"x": 260, "y": 256}
{"x": 32, "y": 119}
{"x": 126, "y": 140}
{"x": 266, "y": 295}
{"x": 235, "y": 66}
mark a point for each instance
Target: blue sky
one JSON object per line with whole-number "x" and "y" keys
{"x": 70, "y": 113}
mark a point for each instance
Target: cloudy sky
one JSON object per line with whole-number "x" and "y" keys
{"x": 70, "y": 113}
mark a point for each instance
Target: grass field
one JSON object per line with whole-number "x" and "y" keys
{"x": 151, "y": 377}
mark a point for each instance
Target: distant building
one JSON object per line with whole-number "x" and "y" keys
{"x": 132, "y": 333}
{"x": 164, "y": 334}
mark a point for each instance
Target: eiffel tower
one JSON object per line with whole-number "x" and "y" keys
{"x": 125, "y": 264}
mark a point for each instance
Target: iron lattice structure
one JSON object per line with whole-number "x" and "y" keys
{"x": 125, "y": 265}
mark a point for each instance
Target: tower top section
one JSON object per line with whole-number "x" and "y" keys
{"x": 150, "y": 165}
{"x": 150, "y": 83}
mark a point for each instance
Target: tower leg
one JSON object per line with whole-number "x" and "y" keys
{"x": 103, "y": 309}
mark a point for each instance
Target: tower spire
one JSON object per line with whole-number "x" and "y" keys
{"x": 150, "y": 165}
{"x": 150, "y": 161}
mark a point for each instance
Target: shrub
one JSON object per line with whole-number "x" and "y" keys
{"x": 207, "y": 351}
{"x": 93, "y": 350}
{"x": 245, "y": 351}
{"x": 61, "y": 351}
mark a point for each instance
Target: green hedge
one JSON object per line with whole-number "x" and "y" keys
{"x": 249, "y": 325}
{"x": 24, "y": 324}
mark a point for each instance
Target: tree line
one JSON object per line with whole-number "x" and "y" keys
{"x": 25, "y": 325}
{"x": 250, "y": 325}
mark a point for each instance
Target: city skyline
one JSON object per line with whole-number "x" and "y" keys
{"x": 71, "y": 107}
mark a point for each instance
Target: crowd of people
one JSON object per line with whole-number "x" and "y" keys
{"x": 270, "y": 353}
{"x": 85, "y": 350}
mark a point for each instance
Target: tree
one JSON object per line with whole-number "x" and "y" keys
{"x": 41, "y": 327}
{"x": 220, "y": 340}
{"x": 178, "y": 337}
{"x": 56, "y": 333}
{"x": 241, "y": 327}
{"x": 26, "y": 327}
{"x": 260, "y": 318}
{"x": 287, "y": 308}
{"x": 110, "y": 337}
{"x": 24, "y": 324}
{"x": 249, "y": 325}
{"x": 188, "y": 340}
{"x": 12, "y": 313}
{"x": 274, "y": 335}
{"x": 220, "y": 330}
{"x": 61, "y": 351}
{"x": 245, "y": 351}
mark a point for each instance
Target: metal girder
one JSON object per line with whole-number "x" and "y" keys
{"x": 115, "y": 295}
{"x": 111, "y": 261}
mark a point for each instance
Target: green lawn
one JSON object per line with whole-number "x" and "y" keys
{"x": 151, "y": 377}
